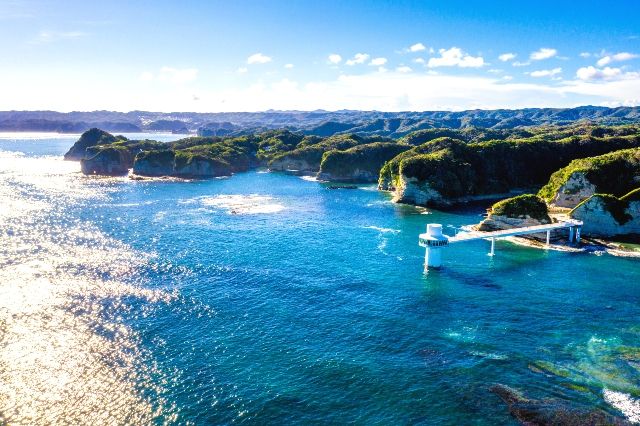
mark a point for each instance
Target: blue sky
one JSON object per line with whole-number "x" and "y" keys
{"x": 258, "y": 55}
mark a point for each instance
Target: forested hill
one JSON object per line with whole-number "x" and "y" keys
{"x": 319, "y": 122}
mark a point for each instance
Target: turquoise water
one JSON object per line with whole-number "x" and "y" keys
{"x": 270, "y": 299}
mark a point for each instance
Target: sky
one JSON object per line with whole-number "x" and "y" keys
{"x": 212, "y": 56}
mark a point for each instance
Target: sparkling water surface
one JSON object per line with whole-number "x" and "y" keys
{"x": 265, "y": 298}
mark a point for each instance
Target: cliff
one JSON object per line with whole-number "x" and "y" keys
{"x": 358, "y": 164}
{"x": 110, "y": 161}
{"x": 614, "y": 173}
{"x": 608, "y": 216}
{"x": 154, "y": 163}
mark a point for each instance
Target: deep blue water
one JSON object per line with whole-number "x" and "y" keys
{"x": 266, "y": 298}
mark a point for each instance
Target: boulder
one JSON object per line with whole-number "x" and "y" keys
{"x": 517, "y": 212}
{"x": 552, "y": 412}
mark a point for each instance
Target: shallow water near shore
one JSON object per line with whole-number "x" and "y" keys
{"x": 268, "y": 298}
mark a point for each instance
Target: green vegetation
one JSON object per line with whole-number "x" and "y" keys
{"x": 522, "y": 206}
{"x": 455, "y": 162}
{"x": 367, "y": 159}
{"x": 614, "y": 173}
{"x": 310, "y": 150}
{"x": 495, "y": 166}
{"x": 88, "y": 139}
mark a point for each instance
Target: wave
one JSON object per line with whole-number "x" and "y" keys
{"x": 629, "y": 406}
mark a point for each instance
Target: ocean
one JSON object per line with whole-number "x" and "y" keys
{"x": 267, "y": 298}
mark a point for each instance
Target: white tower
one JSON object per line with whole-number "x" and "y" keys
{"x": 433, "y": 241}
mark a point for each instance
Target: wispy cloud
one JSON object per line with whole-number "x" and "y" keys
{"x": 258, "y": 58}
{"x": 171, "y": 75}
{"x": 618, "y": 57}
{"x": 403, "y": 69}
{"x": 334, "y": 58}
{"x": 546, "y": 73}
{"x": 543, "y": 53}
{"x": 242, "y": 70}
{"x": 455, "y": 57}
{"x": 288, "y": 66}
{"x": 507, "y": 57}
{"x": 358, "y": 58}
{"x": 46, "y": 36}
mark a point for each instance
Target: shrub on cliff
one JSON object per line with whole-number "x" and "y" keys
{"x": 614, "y": 173}
{"x": 502, "y": 165}
{"x": 522, "y": 206}
{"x": 368, "y": 158}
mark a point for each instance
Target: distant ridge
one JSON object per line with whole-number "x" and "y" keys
{"x": 318, "y": 122}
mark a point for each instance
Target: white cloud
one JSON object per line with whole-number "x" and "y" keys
{"x": 507, "y": 57}
{"x": 377, "y": 62}
{"x": 334, "y": 58}
{"x": 507, "y": 78}
{"x": 358, "y": 58}
{"x": 495, "y": 71}
{"x": 404, "y": 69}
{"x": 418, "y": 47}
{"x": 258, "y": 58}
{"x": 391, "y": 91}
{"x": 171, "y": 75}
{"x": 543, "y": 53}
{"x": 585, "y": 54}
{"x": 455, "y": 57}
{"x": 242, "y": 70}
{"x": 288, "y": 66}
{"x": 592, "y": 73}
{"x": 520, "y": 64}
{"x": 45, "y": 37}
{"x": 419, "y": 61}
{"x": 546, "y": 73}
{"x": 618, "y": 57}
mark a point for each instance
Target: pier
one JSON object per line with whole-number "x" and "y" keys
{"x": 435, "y": 241}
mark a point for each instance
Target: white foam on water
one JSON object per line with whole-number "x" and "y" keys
{"x": 383, "y": 230}
{"x": 629, "y": 406}
{"x": 243, "y": 204}
{"x": 309, "y": 178}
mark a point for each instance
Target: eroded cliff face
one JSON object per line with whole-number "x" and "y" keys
{"x": 600, "y": 221}
{"x": 201, "y": 168}
{"x": 356, "y": 175}
{"x": 108, "y": 162}
{"x": 574, "y": 191}
{"x": 291, "y": 164}
{"x": 147, "y": 167}
{"x": 411, "y": 191}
